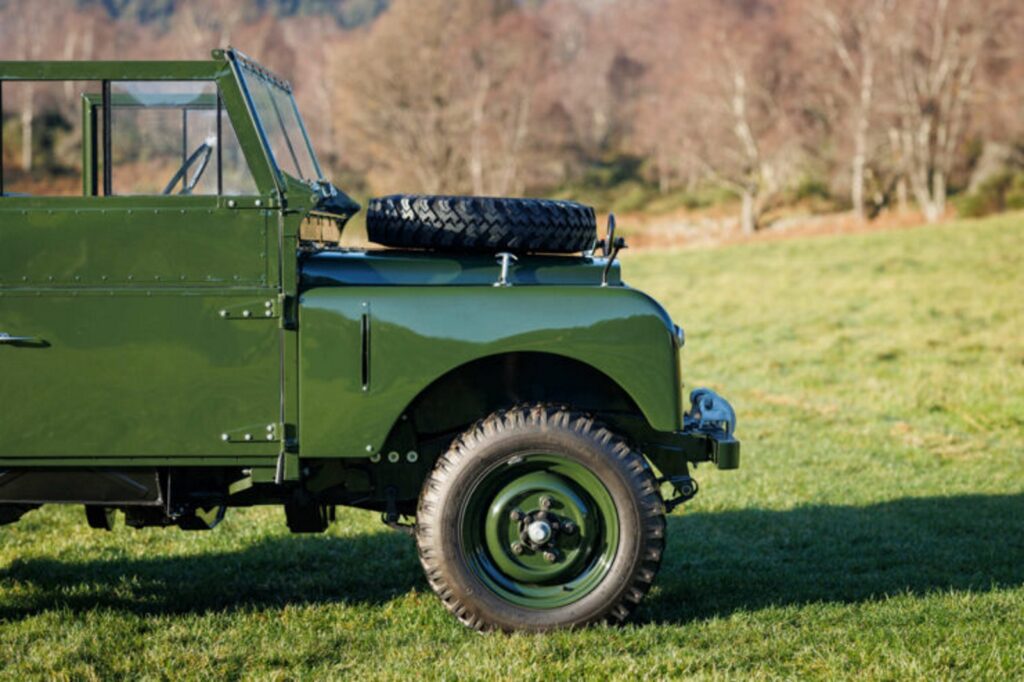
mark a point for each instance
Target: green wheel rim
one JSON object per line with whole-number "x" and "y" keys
{"x": 540, "y": 531}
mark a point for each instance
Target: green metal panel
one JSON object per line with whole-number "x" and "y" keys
{"x": 137, "y": 241}
{"x": 157, "y": 321}
{"x": 128, "y": 373}
{"x": 417, "y": 334}
{"x": 113, "y": 70}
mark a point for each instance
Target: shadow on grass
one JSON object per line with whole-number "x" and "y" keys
{"x": 278, "y": 571}
{"x": 716, "y": 564}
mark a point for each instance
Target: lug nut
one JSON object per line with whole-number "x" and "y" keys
{"x": 515, "y": 515}
{"x": 545, "y": 503}
{"x": 550, "y": 557}
{"x": 569, "y": 527}
{"x": 518, "y": 548}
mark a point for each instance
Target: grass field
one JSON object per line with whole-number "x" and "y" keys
{"x": 875, "y": 529}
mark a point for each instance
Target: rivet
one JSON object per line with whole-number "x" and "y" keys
{"x": 268, "y": 304}
{"x": 246, "y": 313}
{"x": 269, "y": 313}
{"x": 225, "y": 437}
{"x": 270, "y": 427}
{"x": 248, "y": 436}
{"x": 270, "y": 436}
{"x": 375, "y": 458}
{"x": 223, "y": 313}
{"x": 369, "y": 448}
{"x": 258, "y": 203}
{"x": 393, "y": 456}
{"x": 231, "y": 203}
{"x": 412, "y": 456}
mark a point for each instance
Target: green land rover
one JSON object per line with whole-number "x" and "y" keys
{"x": 183, "y": 334}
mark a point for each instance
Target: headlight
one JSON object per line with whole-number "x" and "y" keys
{"x": 679, "y": 335}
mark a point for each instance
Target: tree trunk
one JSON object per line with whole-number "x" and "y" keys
{"x": 861, "y": 127}
{"x": 476, "y": 151}
{"x": 902, "y": 200}
{"x": 857, "y": 173}
{"x": 27, "y": 116}
{"x": 937, "y": 209}
{"x": 748, "y": 214}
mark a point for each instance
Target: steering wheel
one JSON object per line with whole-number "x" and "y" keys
{"x": 201, "y": 156}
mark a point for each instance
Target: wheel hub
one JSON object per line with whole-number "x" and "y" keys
{"x": 547, "y": 531}
{"x": 539, "y": 532}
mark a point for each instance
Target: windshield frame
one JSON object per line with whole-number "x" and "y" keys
{"x": 251, "y": 75}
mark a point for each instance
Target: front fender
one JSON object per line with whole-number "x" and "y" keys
{"x": 367, "y": 352}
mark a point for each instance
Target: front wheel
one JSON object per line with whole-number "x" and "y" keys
{"x": 539, "y": 518}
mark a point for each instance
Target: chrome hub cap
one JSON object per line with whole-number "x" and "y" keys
{"x": 539, "y": 532}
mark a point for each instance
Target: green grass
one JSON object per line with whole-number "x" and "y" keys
{"x": 875, "y": 529}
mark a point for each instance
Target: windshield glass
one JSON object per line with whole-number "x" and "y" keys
{"x": 278, "y": 117}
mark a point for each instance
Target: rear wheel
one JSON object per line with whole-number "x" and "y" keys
{"x": 539, "y": 518}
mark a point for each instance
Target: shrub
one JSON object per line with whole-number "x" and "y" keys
{"x": 1000, "y": 192}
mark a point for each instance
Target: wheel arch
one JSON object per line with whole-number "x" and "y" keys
{"x": 479, "y": 387}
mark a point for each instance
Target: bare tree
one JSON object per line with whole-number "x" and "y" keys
{"x": 854, "y": 31}
{"x": 439, "y": 94}
{"x": 936, "y": 49}
{"x": 741, "y": 126}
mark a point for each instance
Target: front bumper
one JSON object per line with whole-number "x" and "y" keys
{"x": 706, "y": 436}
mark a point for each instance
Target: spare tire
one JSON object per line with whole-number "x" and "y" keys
{"x": 481, "y": 224}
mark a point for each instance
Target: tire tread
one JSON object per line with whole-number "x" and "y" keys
{"x": 480, "y": 224}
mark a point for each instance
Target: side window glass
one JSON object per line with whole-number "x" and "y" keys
{"x": 41, "y": 137}
{"x": 166, "y": 139}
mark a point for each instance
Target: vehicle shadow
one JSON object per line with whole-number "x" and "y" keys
{"x": 716, "y": 563}
{"x": 271, "y": 573}
{"x": 720, "y": 563}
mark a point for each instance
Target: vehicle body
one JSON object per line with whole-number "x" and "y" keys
{"x": 169, "y": 355}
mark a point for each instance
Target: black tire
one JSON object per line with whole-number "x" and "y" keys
{"x": 503, "y": 440}
{"x": 481, "y": 224}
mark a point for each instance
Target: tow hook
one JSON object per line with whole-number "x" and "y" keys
{"x": 685, "y": 487}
